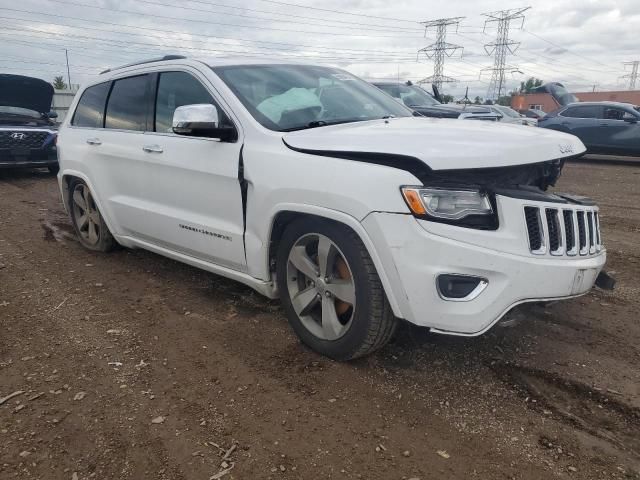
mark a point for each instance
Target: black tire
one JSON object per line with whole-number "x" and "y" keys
{"x": 373, "y": 323}
{"x": 104, "y": 241}
{"x": 54, "y": 169}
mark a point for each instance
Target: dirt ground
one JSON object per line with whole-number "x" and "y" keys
{"x": 133, "y": 366}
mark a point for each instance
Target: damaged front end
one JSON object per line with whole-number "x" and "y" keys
{"x": 448, "y": 196}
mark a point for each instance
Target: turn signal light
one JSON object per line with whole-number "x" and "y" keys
{"x": 412, "y": 197}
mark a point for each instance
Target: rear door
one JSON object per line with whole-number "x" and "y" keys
{"x": 582, "y": 121}
{"x": 121, "y": 175}
{"x": 618, "y": 135}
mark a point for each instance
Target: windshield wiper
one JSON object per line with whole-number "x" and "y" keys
{"x": 319, "y": 123}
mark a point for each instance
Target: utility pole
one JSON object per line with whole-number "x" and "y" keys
{"x": 66, "y": 54}
{"x": 633, "y": 76}
{"x": 439, "y": 50}
{"x": 501, "y": 47}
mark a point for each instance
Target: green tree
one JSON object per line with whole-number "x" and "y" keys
{"x": 530, "y": 84}
{"x": 478, "y": 100}
{"x": 59, "y": 83}
{"x": 447, "y": 98}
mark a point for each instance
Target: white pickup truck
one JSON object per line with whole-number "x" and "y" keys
{"x": 308, "y": 184}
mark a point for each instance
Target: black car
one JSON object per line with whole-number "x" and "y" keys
{"x": 427, "y": 105}
{"x": 604, "y": 127}
{"x": 27, "y": 132}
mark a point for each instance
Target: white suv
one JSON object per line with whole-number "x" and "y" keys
{"x": 307, "y": 183}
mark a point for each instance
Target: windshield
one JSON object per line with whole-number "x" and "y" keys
{"x": 410, "y": 95}
{"x": 509, "y": 112}
{"x": 18, "y": 111}
{"x": 293, "y": 97}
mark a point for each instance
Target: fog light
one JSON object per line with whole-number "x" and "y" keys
{"x": 460, "y": 288}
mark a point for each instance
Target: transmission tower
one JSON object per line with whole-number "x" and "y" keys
{"x": 501, "y": 47}
{"x": 439, "y": 50}
{"x": 633, "y": 76}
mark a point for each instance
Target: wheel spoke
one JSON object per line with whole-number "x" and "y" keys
{"x": 87, "y": 197}
{"x": 82, "y": 221}
{"x": 343, "y": 290}
{"x": 302, "y": 262}
{"x": 324, "y": 247}
{"x": 331, "y": 326}
{"x": 93, "y": 232}
{"x": 79, "y": 199}
{"x": 304, "y": 301}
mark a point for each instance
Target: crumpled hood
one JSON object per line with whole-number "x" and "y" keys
{"x": 25, "y": 92}
{"x": 440, "y": 144}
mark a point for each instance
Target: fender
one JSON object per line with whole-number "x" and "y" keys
{"x": 260, "y": 256}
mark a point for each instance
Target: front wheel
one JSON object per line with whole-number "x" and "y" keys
{"x": 331, "y": 291}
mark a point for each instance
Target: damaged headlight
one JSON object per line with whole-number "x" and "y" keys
{"x": 470, "y": 208}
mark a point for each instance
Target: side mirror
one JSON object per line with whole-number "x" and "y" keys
{"x": 630, "y": 118}
{"x": 200, "y": 120}
{"x": 52, "y": 114}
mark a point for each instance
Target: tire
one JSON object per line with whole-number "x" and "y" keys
{"x": 90, "y": 227}
{"x": 54, "y": 169}
{"x": 367, "y": 323}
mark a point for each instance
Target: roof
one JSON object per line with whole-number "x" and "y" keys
{"x": 611, "y": 104}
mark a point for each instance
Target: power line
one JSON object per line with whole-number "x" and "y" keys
{"x": 290, "y": 15}
{"x": 439, "y": 50}
{"x": 337, "y": 11}
{"x": 209, "y": 22}
{"x": 501, "y": 47}
{"x": 633, "y": 76}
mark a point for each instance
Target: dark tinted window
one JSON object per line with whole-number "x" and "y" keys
{"x": 583, "y": 111}
{"x": 611, "y": 113}
{"x": 393, "y": 90}
{"x": 176, "y": 89}
{"x": 90, "y": 109}
{"x": 127, "y": 107}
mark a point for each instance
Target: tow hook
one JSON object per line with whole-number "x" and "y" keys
{"x": 605, "y": 281}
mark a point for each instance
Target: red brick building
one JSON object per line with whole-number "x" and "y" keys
{"x": 545, "y": 102}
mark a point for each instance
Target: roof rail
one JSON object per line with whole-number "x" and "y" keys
{"x": 142, "y": 62}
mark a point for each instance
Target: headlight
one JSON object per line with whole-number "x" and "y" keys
{"x": 451, "y": 206}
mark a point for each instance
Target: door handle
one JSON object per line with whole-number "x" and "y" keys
{"x": 152, "y": 149}
{"x": 94, "y": 141}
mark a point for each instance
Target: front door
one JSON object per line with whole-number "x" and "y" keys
{"x": 617, "y": 133}
{"x": 192, "y": 200}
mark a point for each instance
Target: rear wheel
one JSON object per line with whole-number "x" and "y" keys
{"x": 331, "y": 291}
{"x": 88, "y": 223}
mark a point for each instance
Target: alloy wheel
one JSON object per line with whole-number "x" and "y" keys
{"x": 86, "y": 214}
{"x": 321, "y": 286}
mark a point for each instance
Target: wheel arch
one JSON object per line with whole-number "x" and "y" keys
{"x": 66, "y": 178}
{"x": 290, "y": 213}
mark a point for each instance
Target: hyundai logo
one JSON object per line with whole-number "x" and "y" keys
{"x": 18, "y": 136}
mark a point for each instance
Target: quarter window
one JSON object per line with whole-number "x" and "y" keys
{"x": 176, "y": 89}
{"x": 90, "y": 110}
{"x": 127, "y": 107}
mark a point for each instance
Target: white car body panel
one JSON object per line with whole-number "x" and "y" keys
{"x": 442, "y": 144}
{"x": 145, "y": 197}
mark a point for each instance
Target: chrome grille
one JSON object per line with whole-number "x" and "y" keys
{"x": 22, "y": 139}
{"x": 560, "y": 231}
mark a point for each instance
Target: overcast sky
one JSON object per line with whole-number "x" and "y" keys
{"x": 579, "y": 42}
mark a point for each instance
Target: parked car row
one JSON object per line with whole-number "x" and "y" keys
{"x": 315, "y": 187}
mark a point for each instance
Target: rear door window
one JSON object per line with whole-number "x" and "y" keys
{"x": 90, "y": 110}
{"x": 127, "y": 105}
{"x": 583, "y": 111}
{"x": 176, "y": 89}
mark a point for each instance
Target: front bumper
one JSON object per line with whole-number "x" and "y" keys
{"x": 415, "y": 252}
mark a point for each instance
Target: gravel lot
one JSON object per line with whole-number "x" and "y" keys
{"x": 133, "y": 366}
